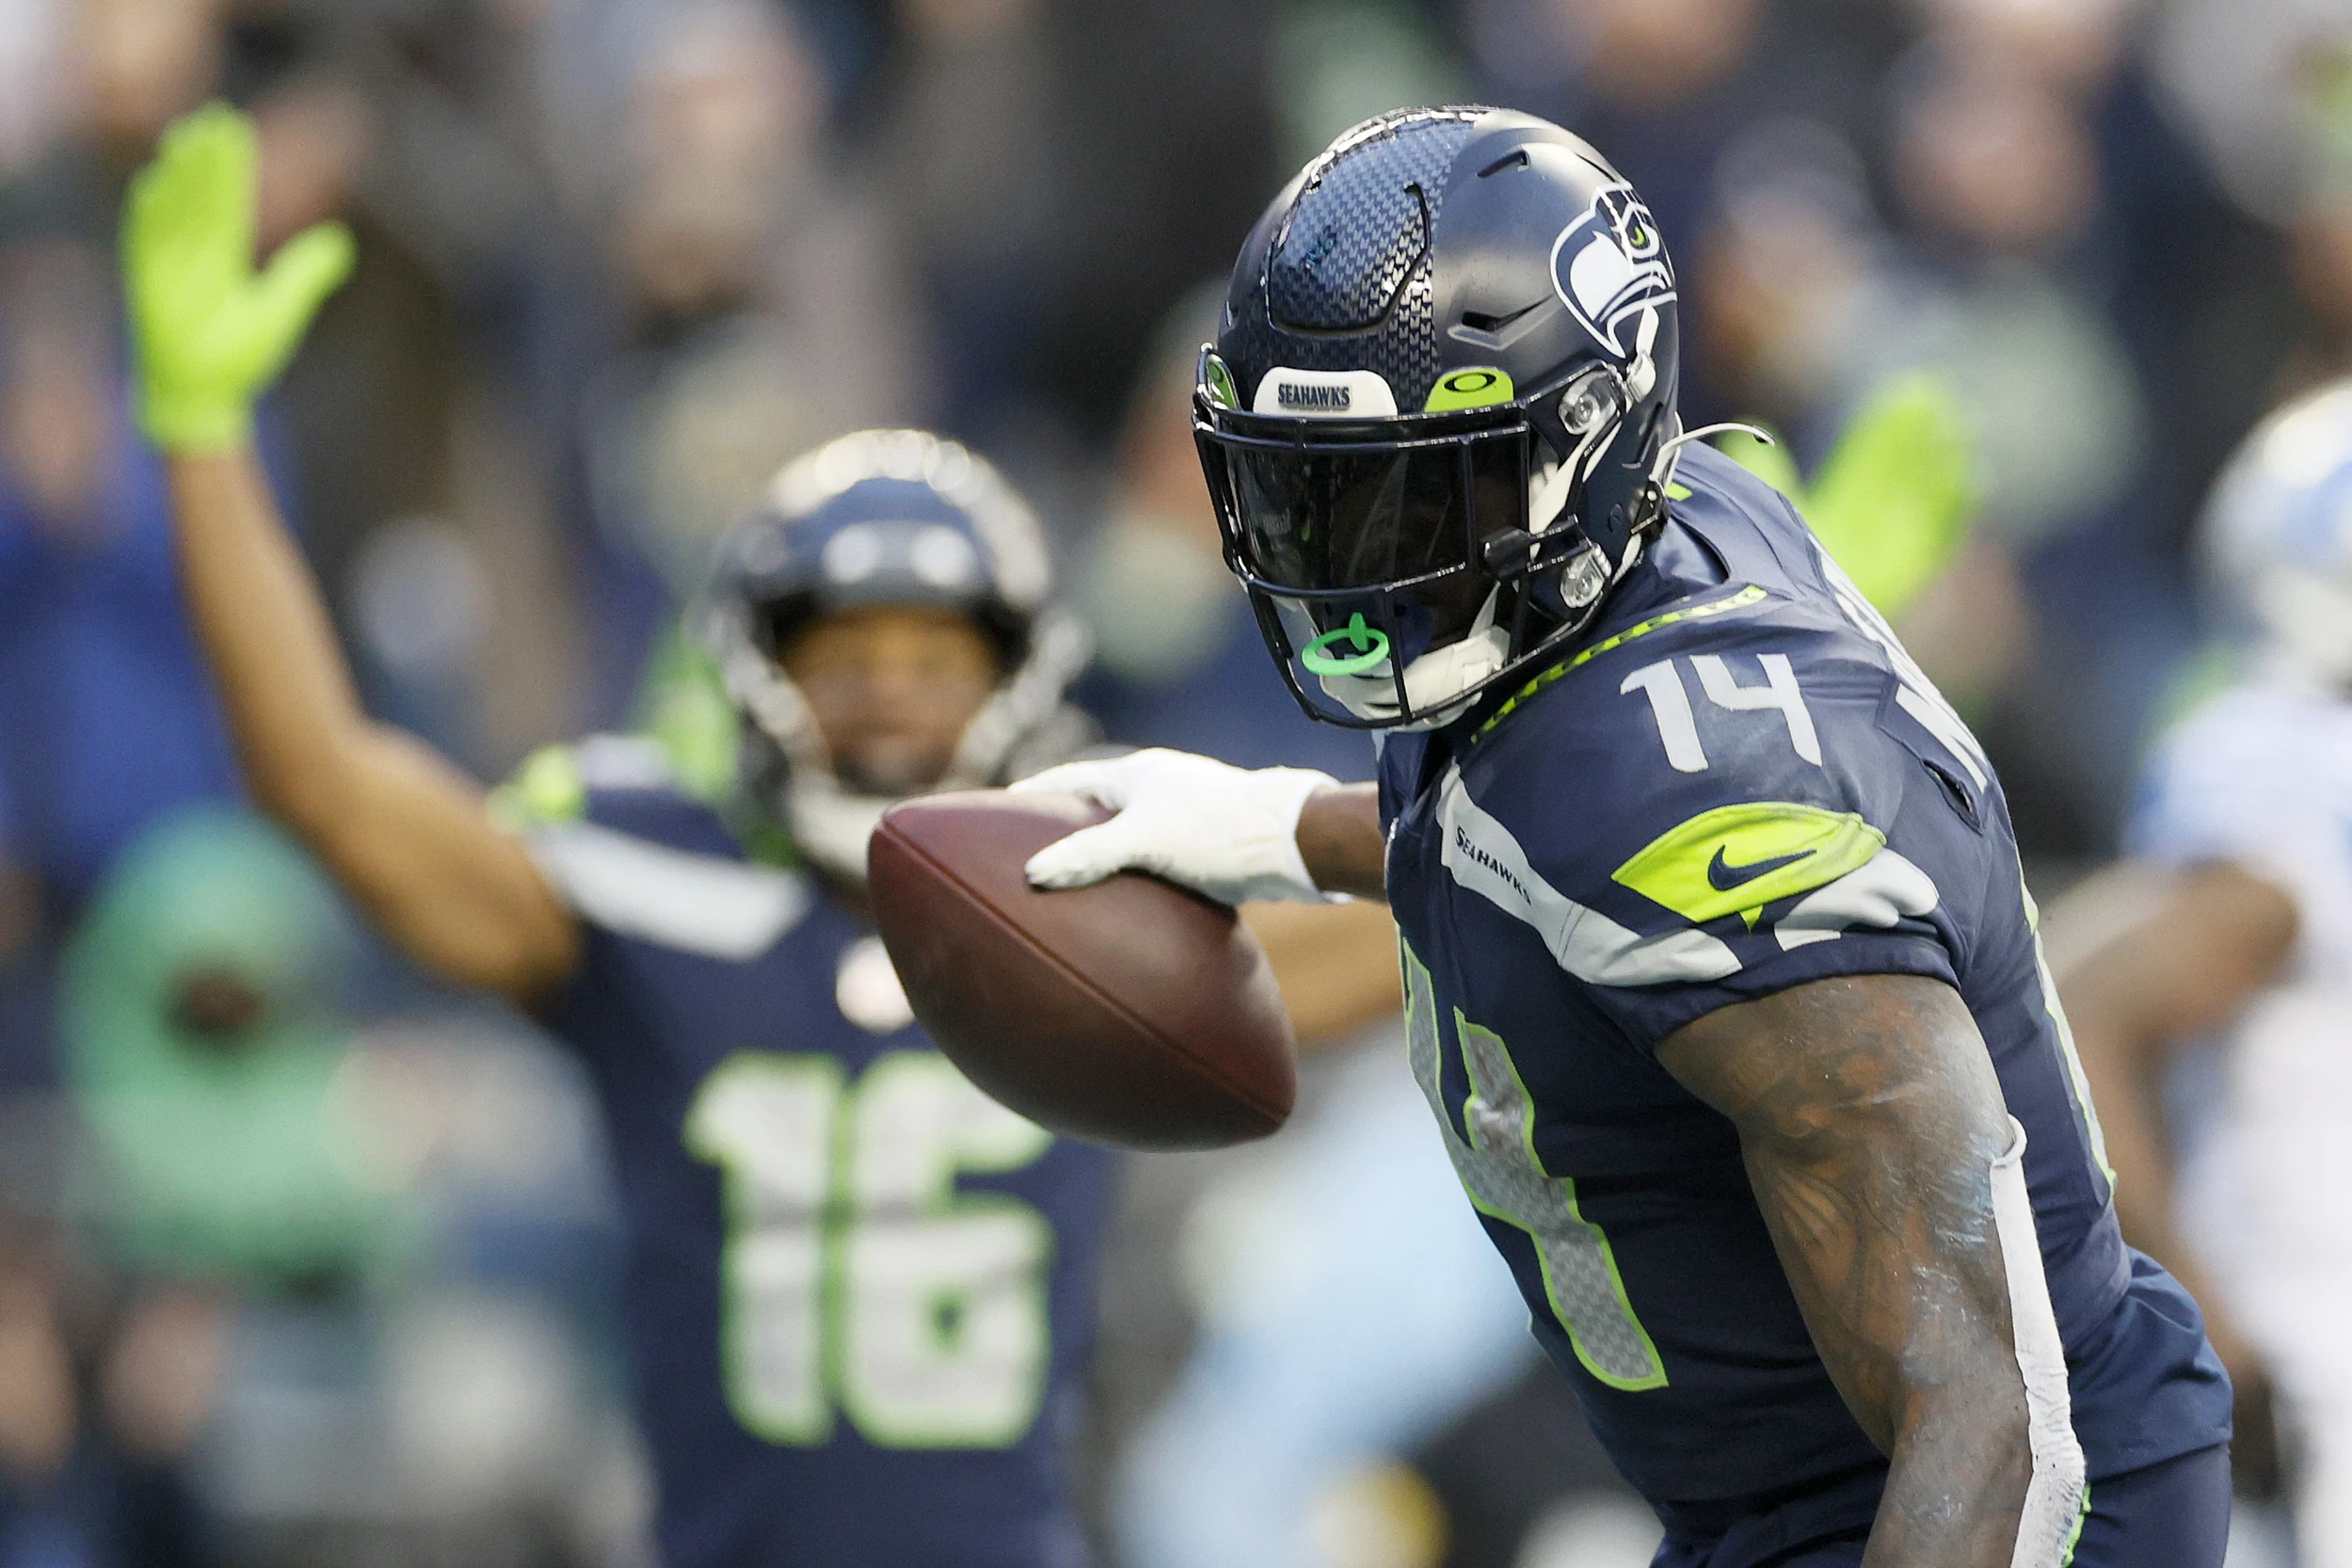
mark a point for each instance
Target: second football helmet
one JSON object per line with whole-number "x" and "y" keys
{"x": 1438, "y": 418}
{"x": 887, "y": 517}
{"x": 2277, "y": 540}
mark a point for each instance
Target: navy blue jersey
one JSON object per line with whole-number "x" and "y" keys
{"x": 1737, "y": 783}
{"x": 861, "y": 1293}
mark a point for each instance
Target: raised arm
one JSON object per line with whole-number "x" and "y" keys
{"x": 404, "y": 832}
{"x": 1879, "y": 1147}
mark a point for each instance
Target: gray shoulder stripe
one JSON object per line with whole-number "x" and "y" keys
{"x": 1481, "y": 855}
{"x": 622, "y": 762}
{"x": 697, "y": 904}
{"x": 1878, "y": 894}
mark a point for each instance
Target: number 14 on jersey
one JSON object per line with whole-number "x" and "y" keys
{"x": 1678, "y": 728}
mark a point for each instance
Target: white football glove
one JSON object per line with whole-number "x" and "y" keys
{"x": 1230, "y": 834}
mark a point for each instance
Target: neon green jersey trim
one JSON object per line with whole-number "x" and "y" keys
{"x": 545, "y": 791}
{"x": 2081, "y": 1518}
{"x": 684, "y": 706}
{"x": 1739, "y": 858}
{"x": 1746, "y": 598}
{"x": 1579, "y": 1322}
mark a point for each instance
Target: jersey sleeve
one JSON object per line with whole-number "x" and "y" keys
{"x": 635, "y": 855}
{"x": 1760, "y": 823}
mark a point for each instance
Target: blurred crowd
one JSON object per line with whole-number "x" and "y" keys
{"x": 302, "y": 1260}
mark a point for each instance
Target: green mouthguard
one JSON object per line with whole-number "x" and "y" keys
{"x": 1370, "y": 644}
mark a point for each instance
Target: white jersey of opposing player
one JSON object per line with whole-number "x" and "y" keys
{"x": 2261, "y": 776}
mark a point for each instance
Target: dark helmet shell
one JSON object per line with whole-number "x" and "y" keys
{"x": 1471, "y": 260}
{"x": 1429, "y": 241}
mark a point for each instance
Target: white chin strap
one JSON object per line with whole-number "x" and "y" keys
{"x": 1437, "y": 685}
{"x": 830, "y": 825}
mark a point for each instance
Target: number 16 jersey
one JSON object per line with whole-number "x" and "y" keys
{"x": 1737, "y": 783}
{"x": 861, "y": 1293}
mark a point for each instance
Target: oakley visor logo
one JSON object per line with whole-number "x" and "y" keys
{"x": 1609, "y": 265}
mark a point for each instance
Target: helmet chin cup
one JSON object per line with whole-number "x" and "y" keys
{"x": 1438, "y": 686}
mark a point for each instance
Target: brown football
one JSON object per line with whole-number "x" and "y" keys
{"x": 1131, "y": 1013}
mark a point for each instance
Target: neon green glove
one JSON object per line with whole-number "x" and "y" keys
{"x": 1894, "y": 501}
{"x": 211, "y": 333}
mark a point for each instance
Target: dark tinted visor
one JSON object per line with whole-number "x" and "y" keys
{"x": 1327, "y": 514}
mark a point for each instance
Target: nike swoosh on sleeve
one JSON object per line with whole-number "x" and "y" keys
{"x": 1786, "y": 848}
{"x": 1724, "y": 876}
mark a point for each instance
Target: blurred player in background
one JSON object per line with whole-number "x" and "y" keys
{"x": 2234, "y": 920}
{"x": 1720, "y": 970}
{"x": 860, "y": 1292}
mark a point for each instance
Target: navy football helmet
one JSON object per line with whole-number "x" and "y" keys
{"x": 887, "y": 517}
{"x": 1438, "y": 418}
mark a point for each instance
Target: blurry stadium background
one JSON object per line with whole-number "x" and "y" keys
{"x": 304, "y": 1261}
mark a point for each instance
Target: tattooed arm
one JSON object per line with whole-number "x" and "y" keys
{"x": 1871, "y": 1118}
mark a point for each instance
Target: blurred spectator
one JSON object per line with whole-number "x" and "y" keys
{"x": 105, "y": 719}
{"x": 1999, "y": 174}
{"x": 963, "y": 156}
{"x": 766, "y": 319}
{"x": 206, "y": 1052}
{"x": 1156, "y": 154}
{"x": 764, "y": 311}
{"x": 279, "y": 1367}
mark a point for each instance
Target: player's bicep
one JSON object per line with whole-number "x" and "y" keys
{"x": 1871, "y": 1121}
{"x": 458, "y": 893}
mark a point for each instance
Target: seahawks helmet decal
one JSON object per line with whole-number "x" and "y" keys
{"x": 1610, "y": 266}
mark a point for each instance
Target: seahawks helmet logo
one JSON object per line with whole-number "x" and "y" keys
{"x": 1609, "y": 265}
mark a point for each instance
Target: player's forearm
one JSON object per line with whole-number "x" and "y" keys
{"x": 2123, "y": 1062}
{"x": 291, "y": 711}
{"x": 1957, "y": 1481}
{"x": 1903, "y": 1285}
{"x": 1873, "y": 1127}
{"x": 1340, "y": 841}
{"x": 402, "y": 831}
{"x": 1336, "y": 964}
